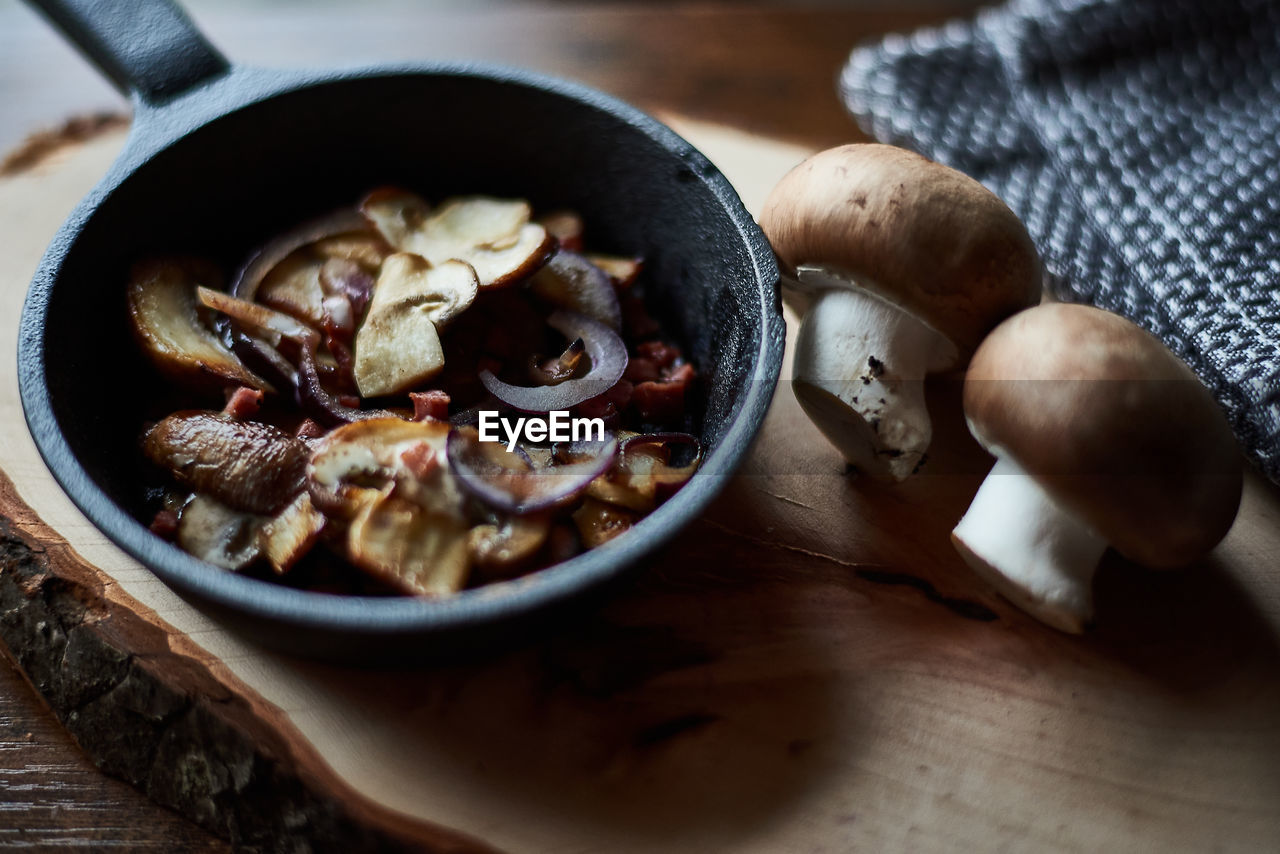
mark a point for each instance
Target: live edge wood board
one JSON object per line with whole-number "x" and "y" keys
{"x": 808, "y": 668}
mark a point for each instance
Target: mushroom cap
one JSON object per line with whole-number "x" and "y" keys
{"x": 1113, "y": 425}
{"x": 919, "y": 234}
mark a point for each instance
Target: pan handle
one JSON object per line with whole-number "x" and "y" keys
{"x": 147, "y": 48}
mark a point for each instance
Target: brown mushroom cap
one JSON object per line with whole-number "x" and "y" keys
{"x": 1113, "y": 425}
{"x": 922, "y": 235}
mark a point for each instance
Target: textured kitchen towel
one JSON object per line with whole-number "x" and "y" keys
{"x": 1140, "y": 142}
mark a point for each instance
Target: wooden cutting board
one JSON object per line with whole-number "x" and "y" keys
{"x": 809, "y": 667}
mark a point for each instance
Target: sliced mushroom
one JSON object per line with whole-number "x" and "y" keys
{"x": 297, "y": 285}
{"x": 398, "y": 345}
{"x": 898, "y": 266}
{"x": 216, "y": 534}
{"x": 599, "y": 522}
{"x": 395, "y": 213}
{"x": 499, "y": 548}
{"x": 389, "y": 478}
{"x": 163, "y": 310}
{"x": 247, "y": 465}
{"x": 415, "y": 550}
{"x": 293, "y": 286}
{"x": 1101, "y": 436}
{"x": 286, "y": 537}
{"x": 644, "y": 473}
{"x": 366, "y": 248}
{"x": 623, "y": 272}
{"x": 355, "y": 463}
{"x": 565, "y": 226}
{"x": 494, "y": 236}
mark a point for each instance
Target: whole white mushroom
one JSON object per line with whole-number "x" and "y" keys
{"x": 898, "y": 266}
{"x": 1101, "y": 437}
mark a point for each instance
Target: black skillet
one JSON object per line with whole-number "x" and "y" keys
{"x": 221, "y": 156}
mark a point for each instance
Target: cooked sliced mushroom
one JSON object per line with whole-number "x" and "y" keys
{"x": 439, "y": 291}
{"x": 284, "y": 538}
{"x": 389, "y": 477}
{"x": 356, "y": 463}
{"x": 500, "y": 547}
{"x": 163, "y": 310}
{"x": 644, "y": 474}
{"x": 398, "y": 346}
{"x": 247, "y": 465}
{"x": 599, "y": 522}
{"x": 623, "y": 272}
{"x": 293, "y": 286}
{"x": 416, "y": 550}
{"x": 366, "y": 248}
{"x": 395, "y": 213}
{"x": 216, "y": 534}
{"x": 494, "y": 236}
{"x": 565, "y": 226}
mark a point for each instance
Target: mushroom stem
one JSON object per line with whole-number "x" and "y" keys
{"x": 1037, "y": 554}
{"x": 859, "y": 372}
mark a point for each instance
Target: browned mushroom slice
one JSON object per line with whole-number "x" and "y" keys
{"x": 499, "y": 548}
{"x": 284, "y": 538}
{"x": 395, "y": 213}
{"x": 398, "y": 346}
{"x": 367, "y": 249}
{"x": 356, "y": 463}
{"x": 293, "y": 286}
{"x": 416, "y": 550}
{"x": 163, "y": 310}
{"x": 565, "y": 226}
{"x": 645, "y": 472}
{"x": 599, "y": 522}
{"x": 494, "y": 236}
{"x": 213, "y": 532}
{"x": 247, "y": 465}
{"x": 621, "y": 271}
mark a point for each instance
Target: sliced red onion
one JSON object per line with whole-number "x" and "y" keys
{"x": 512, "y": 483}
{"x": 608, "y": 356}
{"x": 317, "y": 402}
{"x": 569, "y": 281}
{"x": 250, "y": 276}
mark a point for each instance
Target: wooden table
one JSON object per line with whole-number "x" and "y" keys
{"x": 769, "y": 71}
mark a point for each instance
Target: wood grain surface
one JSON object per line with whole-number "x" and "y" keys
{"x": 809, "y": 667}
{"x": 700, "y": 58}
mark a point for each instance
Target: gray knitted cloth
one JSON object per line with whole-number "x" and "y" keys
{"x": 1140, "y": 142}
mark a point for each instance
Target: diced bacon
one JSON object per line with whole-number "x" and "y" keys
{"x": 243, "y": 403}
{"x": 642, "y": 370}
{"x": 309, "y": 429}
{"x": 636, "y": 318}
{"x": 351, "y": 401}
{"x": 420, "y": 459}
{"x": 165, "y": 524}
{"x": 662, "y": 353}
{"x": 663, "y": 401}
{"x": 430, "y": 405}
